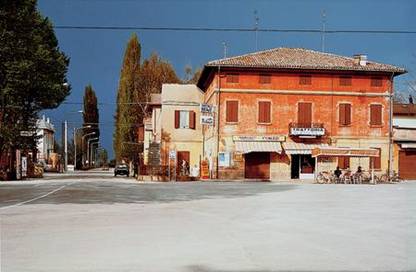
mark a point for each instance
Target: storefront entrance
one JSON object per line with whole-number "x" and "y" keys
{"x": 302, "y": 166}
{"x": 407, "y": 160}
{"x": 257, "y": 165}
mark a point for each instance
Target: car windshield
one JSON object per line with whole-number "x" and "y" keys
{"x": 122, "y": 166}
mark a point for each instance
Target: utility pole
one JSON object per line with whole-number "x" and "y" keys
{"x": 65, "y": 144}
{"x": 323, "y": 29}
{"x": 256, "y": 27}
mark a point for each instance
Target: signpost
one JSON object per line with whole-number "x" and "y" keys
{"x": 207, "y": 120}
{"x": 25, "y": 133}
{"x": 206, "y": 108}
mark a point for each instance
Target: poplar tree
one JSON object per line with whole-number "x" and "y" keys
{"x": 128, "y": 113}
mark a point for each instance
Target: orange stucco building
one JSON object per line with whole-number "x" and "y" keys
{"x": 273, "y": 107}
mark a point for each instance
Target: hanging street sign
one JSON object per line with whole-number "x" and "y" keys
{"x": 207, "y": 120}
{"x": 25, "y": 133}
{"x": 206, "y": 108}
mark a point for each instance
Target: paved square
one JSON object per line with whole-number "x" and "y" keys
{"x": 97, "y": 224}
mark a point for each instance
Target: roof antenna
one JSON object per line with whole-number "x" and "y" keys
{"x": 224, "y": 44}
{"x": 256, "y": 26}
{"x": 323, "y": 21}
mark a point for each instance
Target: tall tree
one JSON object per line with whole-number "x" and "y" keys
{"x": 91, "y": 118}
{"x": 32, "y": 72}
{"x": 128, "y": 115}
{"x": 154, "y": 72}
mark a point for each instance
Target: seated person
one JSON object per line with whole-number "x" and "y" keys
{"x": 337, "y": 172}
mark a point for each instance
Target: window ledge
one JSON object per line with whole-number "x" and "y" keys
{"x": 376, "y": 126}
{"x": 346, "y": 126}
{"x": 231, "y": 123}
{"x": 264, "y": 124}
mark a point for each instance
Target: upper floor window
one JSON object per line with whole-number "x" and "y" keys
{"x": 185, "y": 119}
{"x": 232, "y": 78}
{"x": 376, "y": 82}
{"x": 305, "y": 79}
{"x": 231, "y": 111}
{"x": 265, "y": 78}
{"x": 376, "y": 115}
{"x": 344, "y": 114}
{"x": 264, "y": 114}
{"x": 345, "y": 80}
{"x": 305, "y": 114}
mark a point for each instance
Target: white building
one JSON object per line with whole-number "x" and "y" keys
{"x": 45, "y": 131}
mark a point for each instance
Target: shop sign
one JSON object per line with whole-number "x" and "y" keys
{"x": 275, "y": 138}
{"x": 307, "y": 131}
{"x": 204, "y": 169}
{"x": 224, "y": 159}
{"x": 238, "y": 156}
{"x": 206, "y": 108}
{"x": 24, "y": 167}
{"x": 207, "y": 120}
{"x": 172, "y": 154}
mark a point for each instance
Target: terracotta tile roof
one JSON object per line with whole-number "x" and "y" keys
{"x": 299, "y": 58}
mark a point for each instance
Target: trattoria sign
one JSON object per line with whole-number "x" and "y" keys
{"x": 307, "y": 131}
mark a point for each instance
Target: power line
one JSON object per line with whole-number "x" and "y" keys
{"x": 211, "y": 29}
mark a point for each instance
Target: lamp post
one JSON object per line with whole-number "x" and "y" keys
{"x": 82, "y": 143}
{"x": 75, "y": 144}
{"x": 92, "y": 152}
{"x": 88, "y": 149}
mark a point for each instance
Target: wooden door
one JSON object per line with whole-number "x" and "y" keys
{"x": 407, "y": 164}
{"x": 257, "y": 165}
{"x": 182, "y": 156}
{"x": 305, "y": 114}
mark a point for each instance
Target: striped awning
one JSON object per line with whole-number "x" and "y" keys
{"x": 332, "y": 151}
{"x": 408, "y": 145}
{"x": 254, "y": 146}
{"x": 292, "y": 148}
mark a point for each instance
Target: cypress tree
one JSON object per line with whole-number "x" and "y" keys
{"x": 90, "y": 117}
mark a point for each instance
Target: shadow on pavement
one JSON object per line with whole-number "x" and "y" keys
{"x": 104, "y": 192}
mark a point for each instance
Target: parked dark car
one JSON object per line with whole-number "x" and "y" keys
{"x": 121, "y": 169}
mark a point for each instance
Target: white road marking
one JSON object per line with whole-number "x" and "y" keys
{"x": 36, "y": 198}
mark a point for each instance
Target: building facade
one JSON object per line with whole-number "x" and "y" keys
{"x": 404, "y": 136}
{"x": 46, "y": 133}
{"x": 181, "y": 133}
{"x": 275, "y": 106}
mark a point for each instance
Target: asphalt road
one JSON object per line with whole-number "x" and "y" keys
{"x": 94, "y": 222}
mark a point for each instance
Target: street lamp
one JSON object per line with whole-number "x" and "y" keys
{"x": 75, "y": 143}
{"x": 88, "y": 149}
{"x": 92, "y": 152}
{"x": 82, "y": 143}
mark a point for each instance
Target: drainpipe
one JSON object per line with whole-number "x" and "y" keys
{"x": 218, "y": 116}
{"x": 390, "y": 127}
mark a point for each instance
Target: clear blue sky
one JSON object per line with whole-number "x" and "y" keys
{"x": 96, "y": 55}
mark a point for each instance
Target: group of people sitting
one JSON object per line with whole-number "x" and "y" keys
{"x": 357, "y": 175}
